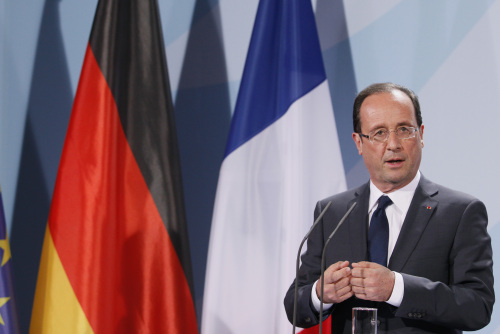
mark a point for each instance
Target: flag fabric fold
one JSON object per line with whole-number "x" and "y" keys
{"x": 116, "y": 257}
{"x": 282, "y": 156}
{"x": 8, "y": 312}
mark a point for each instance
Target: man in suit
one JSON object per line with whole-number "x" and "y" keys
{"x": 424, "y": 259}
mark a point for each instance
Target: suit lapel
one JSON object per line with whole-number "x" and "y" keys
{"x": 358, "y": 224}
{"x": 421, "y": 209}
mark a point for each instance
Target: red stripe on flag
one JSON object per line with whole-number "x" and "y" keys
{"x": 327, "y": 328}
{"x": 106, "y": 228}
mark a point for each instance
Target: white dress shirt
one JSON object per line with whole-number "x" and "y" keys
{"x": 396, "y": 214}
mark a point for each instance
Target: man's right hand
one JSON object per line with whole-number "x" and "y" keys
{"x": 337, "y": 283}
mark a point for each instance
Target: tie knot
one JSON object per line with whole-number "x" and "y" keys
{"x": 383, "y": 202}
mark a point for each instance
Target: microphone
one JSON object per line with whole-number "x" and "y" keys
{"x": 323, "y": 266}
{"x": 298, "y": 260}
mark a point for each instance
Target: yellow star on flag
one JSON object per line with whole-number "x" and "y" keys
{"x": 4, "y": 244}
{"x": 2, "y": 303}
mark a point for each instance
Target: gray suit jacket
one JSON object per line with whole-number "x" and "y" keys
{"x": 443, "y": 253}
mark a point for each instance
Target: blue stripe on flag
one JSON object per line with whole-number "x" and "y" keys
{"x": 284, "y": 62}
{"x": 269, "y": 185}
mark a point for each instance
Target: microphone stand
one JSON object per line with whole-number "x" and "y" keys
{"x": 298, "y": 261}
{"x": 323, "y": 266}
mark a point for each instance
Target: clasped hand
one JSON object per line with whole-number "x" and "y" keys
{"x": 366, "y": 280}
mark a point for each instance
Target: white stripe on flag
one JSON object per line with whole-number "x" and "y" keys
{"x": 264, "y": 205}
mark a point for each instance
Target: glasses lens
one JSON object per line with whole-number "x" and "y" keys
{"x": 379, "y": 136}
{"x": 403, "y": 132}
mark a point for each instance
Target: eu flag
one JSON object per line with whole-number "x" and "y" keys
{"x": 8, "y": 314}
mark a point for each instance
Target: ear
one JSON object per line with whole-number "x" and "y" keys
{"x": 422, "y": 135}
{"x": 357, "y": 140}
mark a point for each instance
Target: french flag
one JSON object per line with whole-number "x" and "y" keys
{"x": 282, "y": 156}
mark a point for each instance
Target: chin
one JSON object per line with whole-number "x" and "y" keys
{"x": 400, "y": 181}
{"x": 396, "y": 180}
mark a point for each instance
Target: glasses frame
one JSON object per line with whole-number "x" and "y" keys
{"x": 370, "y": 135}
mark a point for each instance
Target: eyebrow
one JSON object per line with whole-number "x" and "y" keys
{"x": 397, "y": 126}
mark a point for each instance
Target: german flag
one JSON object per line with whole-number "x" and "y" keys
{"x": 116, "y": 257}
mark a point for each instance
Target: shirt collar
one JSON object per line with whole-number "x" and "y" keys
{"x": 401, "y": 197}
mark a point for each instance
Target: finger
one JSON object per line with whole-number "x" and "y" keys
{"x": 339, "y": 285}
{"x": 337, "y": 266}
{"x": 358, "y": 290}
{"x": 366, "y": 264}
{"x": 360, "y": 272}
{"x": 358, "y": 282}
{"x": 376, "y": 276}
{"x": 337, "y": 271}
{"x": 337, "y": 296}
{"x": 345, "y": 293}
{"x": 372, "y": 294}
{"x": 339, "y": 274}
{"x": 361, "y": 264}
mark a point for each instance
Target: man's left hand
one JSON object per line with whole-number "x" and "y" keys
{"x": 371, "y": 281}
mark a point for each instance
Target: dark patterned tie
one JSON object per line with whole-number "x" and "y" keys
{"x": 378, "y": 238}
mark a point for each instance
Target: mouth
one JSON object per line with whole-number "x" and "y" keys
{"x": 394, "y": 162}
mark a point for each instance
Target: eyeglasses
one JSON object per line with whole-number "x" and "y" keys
{"x": 381, "y": 135}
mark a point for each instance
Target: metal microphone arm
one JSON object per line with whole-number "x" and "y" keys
{"x": 298, "y": 262}
{"x": 323, "y": 266}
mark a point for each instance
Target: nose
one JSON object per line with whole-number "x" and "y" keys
{"x": 393, "y": 142}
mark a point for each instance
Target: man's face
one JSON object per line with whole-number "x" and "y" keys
{"x": 394, "y": 163}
